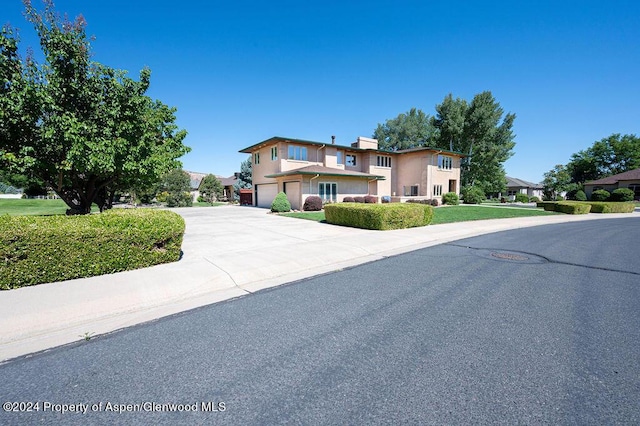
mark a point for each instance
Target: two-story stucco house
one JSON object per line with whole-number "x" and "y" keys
{"x": 302, "y": 168}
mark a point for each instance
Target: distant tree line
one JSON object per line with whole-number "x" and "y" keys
{"x": 609, "y": 156}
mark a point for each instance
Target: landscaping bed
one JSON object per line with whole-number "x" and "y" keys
{"x": 42, "y": 249}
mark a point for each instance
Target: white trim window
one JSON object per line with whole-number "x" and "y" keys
{"x": 410, "y": 191}
{"x": 383, "y": 161}
{"x": 340, "y": 157}
{"x": 274, "y": 153}
{"x": 437, "y": 190}
{"x": 350, "y": 160}
{"x": 256, "y": 158}
{"x": 297, "y": 152}
{"x": 328, "y": 191}
{"x": 445, "y": 162}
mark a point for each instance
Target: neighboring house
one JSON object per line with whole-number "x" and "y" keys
{"x": 519, "y": 186}
{"x": 194, "y": 184}
{"x": 195, "y": 179}
{"x": 301, "y": 168}
{"x": 630, "y": 179}
{"x": 228, "y": 185}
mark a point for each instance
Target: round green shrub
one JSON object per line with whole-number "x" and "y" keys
{"x": 451, "y": 198}
{"x": 534, "y": 199}
{"x": 622, "y": 194}
{"x": 313, "y": 203}
{"x": 472, "y": 195}
{"x": 600, "y": 195}
{"x": 280, "y": 204}
{"x": 580, "y": 195}
{"x": 522, "y": 198}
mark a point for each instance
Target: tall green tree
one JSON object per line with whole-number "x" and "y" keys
{"x": 556, "y": 181}
{"x": 482, "y": 132}
{"x": 211, "y": 188}
{"x": 407, "y": 130}
{"x": 449, "y": 122}
{"x": 85, "y": 129}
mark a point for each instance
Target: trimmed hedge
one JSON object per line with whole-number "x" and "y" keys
{"x": 379, "y": 216}
{"x": 611, "y": 207}
{"x": 595, "y": 206}
{"x": 572, "y": 208}
{"x": 43, "y": 249}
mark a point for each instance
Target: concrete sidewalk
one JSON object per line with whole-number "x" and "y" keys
{"x": 229, "y": 252}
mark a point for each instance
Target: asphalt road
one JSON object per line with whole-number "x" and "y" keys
{"x": 533, "y": 326}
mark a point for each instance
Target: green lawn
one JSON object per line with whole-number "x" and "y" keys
{"x": 451, "y": 214}
{"x": 32, "y": 207}
{"x": 18, "y": 207}
{"x": 317, "y": 216}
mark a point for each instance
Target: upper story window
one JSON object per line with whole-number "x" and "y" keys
{"x": 274, "y": 153}
{"x": 350, "y": 160}
{"x": 340, "y": 156}
{"x": 383, "y": 161}
{"x": 445, "y": 162}
{"x": 256, "y": 158}
{"x": 297, "y": 153}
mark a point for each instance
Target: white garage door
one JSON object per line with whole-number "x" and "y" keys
{"x": 265, "y": 193}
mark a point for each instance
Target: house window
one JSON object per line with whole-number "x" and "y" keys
{"x": 445, "y": 162}
{"x": 351, "y": 160}
{"x": 297, "y": 153}
{"x": 274, "y": 153}
{"x": 437, "y": 190}
{"x": 256, "y": 158}
{"x": 512, "y": 193}
{"x": 383, "y": 161}
{"x": 328, "y": 191}
{"x": 340, "y": 157}
{"x": 410, "y": 191}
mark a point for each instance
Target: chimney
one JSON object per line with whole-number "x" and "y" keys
{"x": 333, "y": 140}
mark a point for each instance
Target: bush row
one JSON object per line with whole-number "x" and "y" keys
{"x": 594, "y": 206}
{"x": 379, "y": 216}
{"x": 42, "y": 249}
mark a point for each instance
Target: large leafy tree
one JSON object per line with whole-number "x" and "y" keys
{"x": 407, "y": 130}
{"x": 482, "y": 132}
{"x": 85, "y": 129}
{"x": 608, "y": 156}
{"x": 479, "y": 129}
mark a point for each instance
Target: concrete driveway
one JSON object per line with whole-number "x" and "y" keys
{"x": 229, "y": 252}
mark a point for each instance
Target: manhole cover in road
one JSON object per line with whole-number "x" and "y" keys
{"x": 509, "y": 256}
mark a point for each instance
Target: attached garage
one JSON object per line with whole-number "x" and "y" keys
{"x": 293, "y": 191}
{"x": 265, "y": 194}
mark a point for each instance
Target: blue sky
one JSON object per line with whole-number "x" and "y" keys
{"x": 243, "y": 71}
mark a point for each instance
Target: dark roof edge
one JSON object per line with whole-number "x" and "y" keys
{"x": 248, "y": 149}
